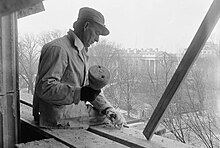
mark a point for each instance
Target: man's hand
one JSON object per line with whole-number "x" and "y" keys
{"x": 115, "y": 117}
{"x": 88, "y": 94}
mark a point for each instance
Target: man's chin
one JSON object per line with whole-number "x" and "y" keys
{"x": 87, "y": 45}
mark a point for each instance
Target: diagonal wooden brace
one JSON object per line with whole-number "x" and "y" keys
{"x": 190, "y": 56}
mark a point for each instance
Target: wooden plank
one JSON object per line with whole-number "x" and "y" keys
{"x": 30, "y": 10}
{"x": 125, "y": 136}
{"x": 9, "y": 6}
{"x": 1, "y": 86}
{"x": 26, "y": 103}
{"x": 190, "y": 56}
{"x": 29, "y": 125}
{"x": 160, "y": 140}
{"x": 134, "y": 138}
{"x": 84, "y": 138}
{"x": 70, "y": 137}
{"x": 1, "y": 61}
{"x": 10, "y": 119}
{"x": 45, "y": 143}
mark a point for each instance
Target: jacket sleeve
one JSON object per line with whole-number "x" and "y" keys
{"x": 101, "y": 103}
{"x": 53, "y": 62}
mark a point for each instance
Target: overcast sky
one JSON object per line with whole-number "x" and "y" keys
{"x": 165, "y": 24}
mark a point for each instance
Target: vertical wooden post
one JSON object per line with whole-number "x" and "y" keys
{"x": 9, "y": 102}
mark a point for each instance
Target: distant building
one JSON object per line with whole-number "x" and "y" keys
{"x": 146, "y": 58}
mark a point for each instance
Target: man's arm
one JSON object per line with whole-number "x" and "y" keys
{"x": 52, "y": 66}
{"x": 101, "y": 103}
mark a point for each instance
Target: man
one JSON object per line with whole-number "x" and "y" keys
{"x": 61, "y": 91}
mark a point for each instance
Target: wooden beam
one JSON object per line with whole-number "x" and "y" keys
{"x": 9, "y": 6}
{"x": 42, "y": 143}
{"x": 190, "y": 56}
{"x": 133, "y": 137}
{"x": 125, "y": 136}
{"x": 9, "y": 103}
{"x": 30, "y": 10}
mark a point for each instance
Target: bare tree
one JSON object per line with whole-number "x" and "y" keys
{"x": 28, "y": 47}
{"x": 127, "y": 81}
{"x": 107, "y": 54}
{"x": 186, "y": 117}
{"x": 120, "y": 63}
{"x": 201, "y": 124}
{"x": 214, "y": 45}
{"x": 155, "y": 81}
{"x": 46, "y": 37}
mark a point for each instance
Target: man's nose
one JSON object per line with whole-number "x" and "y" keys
{"x": 97, "y": 38}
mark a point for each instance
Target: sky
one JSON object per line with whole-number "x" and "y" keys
{"x": 168, "y": 25}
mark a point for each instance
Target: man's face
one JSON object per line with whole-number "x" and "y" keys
{"x": 91, "y": 34}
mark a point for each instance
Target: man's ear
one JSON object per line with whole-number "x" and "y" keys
{"x": 86, "y": 25}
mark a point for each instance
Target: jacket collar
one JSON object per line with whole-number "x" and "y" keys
{"x": 75, "y": 40}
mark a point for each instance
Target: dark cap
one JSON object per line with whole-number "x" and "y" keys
{"x": 87, "y": 13}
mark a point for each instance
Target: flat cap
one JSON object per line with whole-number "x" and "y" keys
{"x": 87, "y": 13}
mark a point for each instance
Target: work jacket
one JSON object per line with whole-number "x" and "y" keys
{"x": 62, "y": 71}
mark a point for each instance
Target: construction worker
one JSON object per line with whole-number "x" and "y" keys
{"x": 61, "y": 93}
